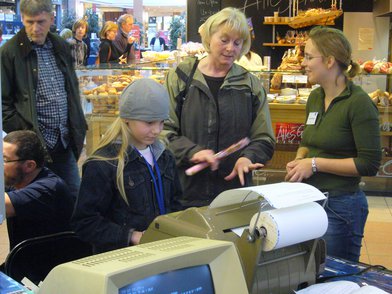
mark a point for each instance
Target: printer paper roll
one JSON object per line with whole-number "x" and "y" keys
{"x": 291, "y": 225}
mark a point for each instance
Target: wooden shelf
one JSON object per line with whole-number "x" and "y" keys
{"x": 323, "y": 18}
{"x": 278, "y": 45}
{"x": 276, "y": 23}
{"x": 294, "y": 26}
{"x": 386, "y": 134}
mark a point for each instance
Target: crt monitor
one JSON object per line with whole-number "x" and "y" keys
{"x": 177, "y": 265}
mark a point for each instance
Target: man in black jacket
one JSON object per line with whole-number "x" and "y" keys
{"x": 40, "y": 90}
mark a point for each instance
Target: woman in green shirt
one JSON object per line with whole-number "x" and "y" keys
{"x": 341, "y": 140}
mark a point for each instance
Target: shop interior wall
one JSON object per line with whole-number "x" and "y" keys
{"x": 112, "y": 15}
{"x": 354, "y": 22}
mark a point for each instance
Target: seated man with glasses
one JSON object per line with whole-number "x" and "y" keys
{"x": 37, "y": 201}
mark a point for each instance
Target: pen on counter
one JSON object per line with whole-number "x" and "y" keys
{"x": 220, "y": 155}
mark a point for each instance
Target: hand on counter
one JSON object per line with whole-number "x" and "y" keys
{"x": 299, "y": 170}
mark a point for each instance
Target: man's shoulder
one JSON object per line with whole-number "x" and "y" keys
{"x": 46, "y": 173}
{"x": 46, "y": 183}
{"x": 48, "y": 180}
{"x": 57, "y": 40}
{"x": 11, "y": 44}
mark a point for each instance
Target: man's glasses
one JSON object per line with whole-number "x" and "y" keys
{"x": 12, "y": 160}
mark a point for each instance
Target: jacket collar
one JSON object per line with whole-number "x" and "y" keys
{"x": 344, "y": 95}
{"x": 122, "y": 33}
{"x": 157, "y": 148}
{"x": 235, "y": 74}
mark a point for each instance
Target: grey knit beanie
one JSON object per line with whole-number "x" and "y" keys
{"x": 144, "y": 99}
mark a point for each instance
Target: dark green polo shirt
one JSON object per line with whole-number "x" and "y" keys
{"x": 349, "y": 128}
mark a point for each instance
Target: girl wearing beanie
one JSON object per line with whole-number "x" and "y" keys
{"x": 130, "y": 178}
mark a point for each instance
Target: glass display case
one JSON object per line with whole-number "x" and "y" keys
{"x": 101, "y": 88}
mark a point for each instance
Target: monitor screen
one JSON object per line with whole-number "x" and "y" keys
{"x": 175, "y": 265}
{"x": 195, "y": 279}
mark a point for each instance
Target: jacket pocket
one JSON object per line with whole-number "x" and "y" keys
{"x": 168, "y": 187}
{"x": 136, "y": 189}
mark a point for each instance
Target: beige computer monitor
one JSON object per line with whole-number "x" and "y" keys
{"x": 177, "y": 265}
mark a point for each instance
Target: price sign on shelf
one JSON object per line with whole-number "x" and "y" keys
{"x": 295, "y": 79}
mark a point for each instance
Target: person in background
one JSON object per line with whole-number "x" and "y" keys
{"x": 87, "y": 40}
{"x": 53, "y": 29}
{"x": 158, "y": 43}
{"x": 78, "y": 47}
{"x": 44, "y": 97}
{"x": 125, "y": 43}
{"x": 251, "y": 60}
{"x": 108, "y": 53}
{"x": 223, "y": 104}
{"x": 37, "y": 202}
{"x": 66, "y": 34}
{"x": 130, "y": 178}
{"x": 340, "y": 142}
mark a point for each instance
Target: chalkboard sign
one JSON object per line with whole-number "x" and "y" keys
{"x": 197, "y": 12}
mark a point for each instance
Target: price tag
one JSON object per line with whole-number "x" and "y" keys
{"x": 295, "y": 79}
{"x": 301, "y": 79}
{"x": 288, "y": 79}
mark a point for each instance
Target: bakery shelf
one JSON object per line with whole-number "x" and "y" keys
{"x": 323, "y": 18}
{"x": 276, "y": 23}
{"x": 278, "y": 45}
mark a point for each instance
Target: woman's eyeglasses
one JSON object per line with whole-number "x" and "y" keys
{"x": 309, "y": 58}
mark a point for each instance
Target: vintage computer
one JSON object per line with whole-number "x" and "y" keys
{"x": 176, "y": 265}
{"x": 276, "y": 229}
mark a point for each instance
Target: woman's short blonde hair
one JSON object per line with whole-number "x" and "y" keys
{"x": 108, "y": 26}
{"x": 230, "y": 18}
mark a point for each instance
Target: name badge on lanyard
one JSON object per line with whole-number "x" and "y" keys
{"x": 312, "y": 117}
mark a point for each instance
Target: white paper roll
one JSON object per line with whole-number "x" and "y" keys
{"x": 291, "y": 225}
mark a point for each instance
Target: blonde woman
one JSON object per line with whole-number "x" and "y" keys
{"x": 108, "y": 53}
{"x": 221, "y": 104}
{"x": 130, "y": 178}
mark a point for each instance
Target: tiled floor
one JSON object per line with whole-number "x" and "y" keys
{"x": 377, "y": 244}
